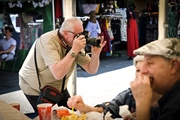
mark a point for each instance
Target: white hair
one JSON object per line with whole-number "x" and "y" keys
{"x": 138, "y": 58}
{"x": 69, "y": 23}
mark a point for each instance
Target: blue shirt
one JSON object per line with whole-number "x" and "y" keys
{"x": 93, "y": 28}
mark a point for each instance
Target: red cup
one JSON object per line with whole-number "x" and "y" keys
{"x": 15, "y": 105}
{"x": 44, "y": 111}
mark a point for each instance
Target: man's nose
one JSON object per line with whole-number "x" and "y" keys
{"x": 144, "y": 69}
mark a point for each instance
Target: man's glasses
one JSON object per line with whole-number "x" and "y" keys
{"x": 72, "y": 32}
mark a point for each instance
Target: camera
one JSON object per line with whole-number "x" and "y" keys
{"x": 91, "y": 41}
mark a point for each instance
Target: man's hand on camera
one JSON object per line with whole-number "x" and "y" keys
{"x": 97, "y": 50}
{"x": 78, "y": 44}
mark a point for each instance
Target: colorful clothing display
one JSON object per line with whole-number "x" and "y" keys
{"x": 148, "y": 27}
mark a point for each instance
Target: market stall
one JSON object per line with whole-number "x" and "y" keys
{"x": 29, "y": 19}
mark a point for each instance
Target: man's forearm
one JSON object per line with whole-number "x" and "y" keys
{"x": 94, "y": 64}
{"x": 5, "y": 51}
{"x": 143, "y": 111}
{"x": 60, "y": 69}
{"x": 92, "y": 109}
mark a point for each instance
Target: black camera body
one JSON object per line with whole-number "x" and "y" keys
{"x": 91, "y": 41}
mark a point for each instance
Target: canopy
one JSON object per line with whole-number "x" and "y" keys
{"x": 13, "y": 7}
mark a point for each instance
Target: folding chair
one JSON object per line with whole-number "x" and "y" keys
{"x": 14, "y": 60}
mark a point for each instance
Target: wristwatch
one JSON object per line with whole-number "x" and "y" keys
{"x": 72, "y": 54}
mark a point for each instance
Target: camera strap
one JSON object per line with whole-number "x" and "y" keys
{"x": 37, "y": 72}
{"x": 61, "y": 39}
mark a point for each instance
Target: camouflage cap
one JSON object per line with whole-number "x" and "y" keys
{"x": 168, "y": 48}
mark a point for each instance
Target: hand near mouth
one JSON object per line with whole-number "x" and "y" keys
{"x": 142, "y": 92}
{"x": 141, "y": 88}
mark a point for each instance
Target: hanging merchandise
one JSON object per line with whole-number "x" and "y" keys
{"x": 58, "y": 9}
{"x": 107, "y": 7}
{"x": 172, "y": 19}
{"x": 108, "y": 25}
{"x": 104, "y": 32}
{"x": 116, "y": 27}
{"x": 150, "y": 31}
{"x": 87, "y": 8}
{"x": 26, "y": 18}
{"x": 121, "y": 12}
{"x": 132, "y": 32}
{"x": 124, "y": 29}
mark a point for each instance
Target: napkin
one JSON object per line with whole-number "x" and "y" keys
{"x": 123, "y": 111}
{"x": 94, "y": 116}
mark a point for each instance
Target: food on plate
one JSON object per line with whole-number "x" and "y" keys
{"x": 74, "y": 116}
{"x": 64, "y": 114}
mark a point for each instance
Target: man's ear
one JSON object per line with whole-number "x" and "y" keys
{"x": 175, "y": 65}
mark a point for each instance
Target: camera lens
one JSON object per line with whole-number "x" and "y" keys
{"x": 93, "y": 41}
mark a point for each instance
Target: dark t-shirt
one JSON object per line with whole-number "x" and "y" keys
{"x": 169, "y": 104}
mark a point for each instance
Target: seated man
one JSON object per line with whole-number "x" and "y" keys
{"x": 160, "y": 73}
{"x": 7, "y": 46}
{"x": 123, "y": 98}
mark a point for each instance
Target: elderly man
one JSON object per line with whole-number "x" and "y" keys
{"x": 54, "y": 65}
{"x": 160, "y": 73}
